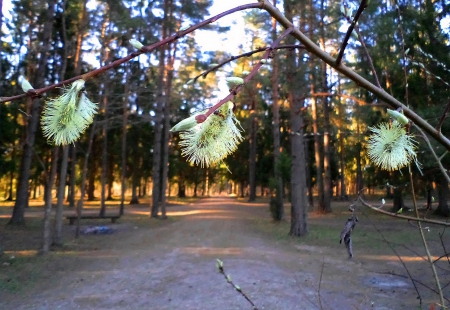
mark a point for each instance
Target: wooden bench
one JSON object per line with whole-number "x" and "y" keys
{"x": 73, "y": 218}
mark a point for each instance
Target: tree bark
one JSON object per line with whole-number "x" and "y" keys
{"x": 123, "y": 153}
{"x": 299, "y": 204}
{"x": 46, "y": 232}
{"x": 327, "y": 189}
{"x": 166, "y": 133}
{"x": 83, "y": 178}
{"x": 22, "y": 194}
{"x": 57, "y": 240}
{"x": 160, "y": 101}
{"x": 442, "y": 189}
{"x": 252, "y": 156}
{"x": 277, "y": 201}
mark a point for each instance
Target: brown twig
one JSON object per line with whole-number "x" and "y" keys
{"x": 248, "y": 54}
{"x": 369, "y": 58}
{"x": 441, "y": 167}
{"x": 415, "y": 280}
{"x": 401, "y": 216}
{"x": 424, "y": 241}
{"x": 344, "y": 44}
{"x": 320, "y": 284}
{"x": 236, "y": 287}
{"x": 352, "y": 75}
{"x": 145, "y": 49}
{"x": 443, "y": 116}
{"x": 202, "y": 117}
{"x": 393, "y": 250}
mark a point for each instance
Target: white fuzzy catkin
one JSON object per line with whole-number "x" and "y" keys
{"x": 391, "y": 147}
{"x": 65, "y": 118}
{"x": 210, "y": 142}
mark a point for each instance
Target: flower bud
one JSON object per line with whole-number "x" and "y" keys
{"x": 136, "y": 44}
{"x": 185, "y": 124}
{"x": 26, "y": 86}
{"x": 234, "y": 81}
{"x": 399, "y": 117}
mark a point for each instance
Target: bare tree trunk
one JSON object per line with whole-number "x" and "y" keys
{"x": 277, "y": 201}
{"x": 83, "y": 179}
{"x": 105, "y": 90}
{"x": 73, "y": 167}
{"x": 327, "y": 189}
{"x": 160, "y": 101}
{"x": 252, "y": 156}
{"x": 46, "y": 232}
{"x": 299, "y": 205}
{"x": 166, "y": 134}
{"x": 124, "y": 141}
{"x": 22, "y": 194}
{"x": 104, "y": 173}
{"x": 80, "y": 36}
{"x": 57, "y": 240}
{"x": 442, "y": 208}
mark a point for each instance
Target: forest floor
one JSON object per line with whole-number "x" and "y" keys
{"x": 171, "y": 264}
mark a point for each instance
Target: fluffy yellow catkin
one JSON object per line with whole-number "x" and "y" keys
{"x": 391, "y": 147}
{"x": 66, "y": 117}
{"x": 210, "y": 142}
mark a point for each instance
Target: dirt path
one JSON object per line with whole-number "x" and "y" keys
{"x": 174, "y": 267}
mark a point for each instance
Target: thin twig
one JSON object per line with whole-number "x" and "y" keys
{"x": 424, "y": 241}
{"x": 415, "y": 280}
{"x": 395, "y": 252}
{"x": 248, "y": 54}
{"x": 369, "y": 58}
{"x": 401, "y": 216}
{"x": 145, "y": 49}
{"x": 202, "y": 117}
{"x": 311, "y": 47}
{"x": 236, "y": 287}
{"x": 344, "y": 44}
{"x": 320, "y": 283}
{"x": 443, "y": 116}
{"x": 441, "y": 167}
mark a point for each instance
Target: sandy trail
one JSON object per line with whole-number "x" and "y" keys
{"x": 174, "y": 267}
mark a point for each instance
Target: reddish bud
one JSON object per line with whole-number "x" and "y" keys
{"x": 200, "y": 118}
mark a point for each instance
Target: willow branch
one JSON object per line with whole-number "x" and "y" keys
{"x": 401, "y": 216}
{"x": 202, "y": 117}
{"x": 441, "y": 167}
{"x": 248, "y": 54}
{"x": 146, "y": 49}
{"x": 369, "y": 58}
{"x": 344, "y": 44}
{"x": 424, "y": 240}
{"x": 443, "y": 116}
{"x": 359, "y": 80}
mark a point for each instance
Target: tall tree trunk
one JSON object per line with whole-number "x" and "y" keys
{"x": 72, "y": 175}
{"x": 277, "y": 201}
{"x": 135, "y": 180}
{"x": 22, "y": 194}
{"x": 50, "y": 179}
{"x": 314, "y": 113}
{"x": 83, "y": 178}
{"x": 299, "y": 205}
{"x": 160, "y": 101}
{"x": 105, "y": 90}
{"x": 327, "y": 189}
{"x": 442, "y": 208}
{"x": 252, "y": 155}
{"x": 166, "y": 134}
{"x": 80, "y": 37}
{"x": 123, "y": 153}
{"x": 57, "y": 240}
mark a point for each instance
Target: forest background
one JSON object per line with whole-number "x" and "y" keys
{"x": 128, "y": 149}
